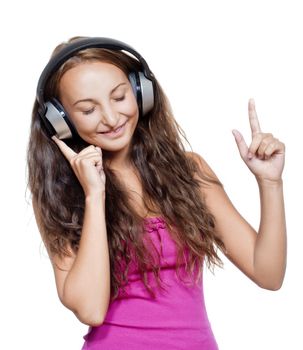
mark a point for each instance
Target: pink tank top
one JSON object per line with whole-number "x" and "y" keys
{"x": 175, "y": 320}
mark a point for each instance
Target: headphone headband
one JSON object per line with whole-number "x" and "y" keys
{"x": 95, "y": 42}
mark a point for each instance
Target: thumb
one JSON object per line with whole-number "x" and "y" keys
{"x": 242, "y": 146}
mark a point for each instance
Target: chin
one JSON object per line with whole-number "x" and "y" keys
{"x": 113, "y": 145}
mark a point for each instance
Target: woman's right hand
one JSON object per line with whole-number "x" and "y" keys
{"x": 87, "y": 166}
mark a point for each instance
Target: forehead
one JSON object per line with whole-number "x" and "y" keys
{"x": 91, "y": 70}
{"x": 90, "y": 77}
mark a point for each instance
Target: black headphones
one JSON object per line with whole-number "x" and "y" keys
{"x": 52, "y": 112}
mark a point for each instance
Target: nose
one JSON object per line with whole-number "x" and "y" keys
{"x": 110, "y": 117}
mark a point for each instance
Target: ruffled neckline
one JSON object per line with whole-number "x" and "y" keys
{"x": 153, "y": 223}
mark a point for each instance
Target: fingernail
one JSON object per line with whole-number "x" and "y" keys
{"x": 250, "y": 155}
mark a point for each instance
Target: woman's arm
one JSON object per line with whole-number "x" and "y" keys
{"x": 270, "y": 247}
{"x": 83, "y": 280}
{"x": 87, "y": 286}
{"x": 261, "y": 256}
{"x": 84, "y": 286}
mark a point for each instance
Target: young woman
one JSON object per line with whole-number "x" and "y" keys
{"x": 128, "y": 216}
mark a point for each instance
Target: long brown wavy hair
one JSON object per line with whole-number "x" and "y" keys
{"x": 171, "y": 181}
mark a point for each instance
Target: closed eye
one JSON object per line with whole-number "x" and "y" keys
{"x": 89, "y": 111}
{"x": 120, "y": 98}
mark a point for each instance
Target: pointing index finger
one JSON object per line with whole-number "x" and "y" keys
{"x": 253, "y": 118}
{"x": 66, "y": 150}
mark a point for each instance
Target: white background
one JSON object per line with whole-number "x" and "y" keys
{"x": 210, "y": 57}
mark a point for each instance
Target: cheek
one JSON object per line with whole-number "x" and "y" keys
{"x": 82, "y": 124}
{"x": 130, "y": 107}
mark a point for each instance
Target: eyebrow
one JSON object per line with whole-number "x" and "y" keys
{"x": 92, "y": 100}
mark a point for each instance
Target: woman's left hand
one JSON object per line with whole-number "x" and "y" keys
{"x": 265, "y": 156}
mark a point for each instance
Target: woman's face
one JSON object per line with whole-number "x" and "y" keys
{"x": 100, "y": 102}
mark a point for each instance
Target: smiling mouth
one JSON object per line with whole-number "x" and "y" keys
{"x": 113, "y": 131}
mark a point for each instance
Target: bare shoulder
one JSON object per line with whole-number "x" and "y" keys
{"x": 203, "y": 166}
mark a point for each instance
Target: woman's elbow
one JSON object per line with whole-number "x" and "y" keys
{"x": 92, "y": 320}
{"x": 89, "y": 314}
{"x": 272, "y": 286}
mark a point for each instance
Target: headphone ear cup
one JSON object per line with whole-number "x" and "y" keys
{"x": 147, "y": 92}
{"x": 143, "y": 90}
{"x": 58, "y": 119}
{"x": 133, "y": 82}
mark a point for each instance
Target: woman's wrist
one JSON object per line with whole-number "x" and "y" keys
{"x": 269, "y": 183}
{"x": 95, "y": 196}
